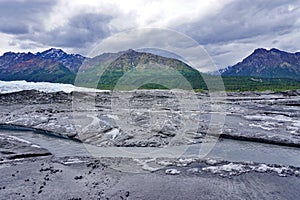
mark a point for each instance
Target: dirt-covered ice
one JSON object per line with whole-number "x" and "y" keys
{"x": 154, "y": 118}
{"x": 56, "y": 164}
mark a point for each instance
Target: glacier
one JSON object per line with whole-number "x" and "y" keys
{"x": 16, "y": 86}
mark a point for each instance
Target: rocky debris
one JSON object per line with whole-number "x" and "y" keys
{"x": 88, "y": 178}
{"x": 154, "y": 118}
{"x": 36, "y": 179}
{"x": 78, "y": 177}
{"x": 264, "y": 117}
{"x": 29, "y": 97}
{"x": 260, "y": 115}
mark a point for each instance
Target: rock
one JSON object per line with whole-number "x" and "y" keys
{"x": 78, "y": 177}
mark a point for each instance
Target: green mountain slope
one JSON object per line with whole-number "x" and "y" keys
{"x": 140, "y": 69}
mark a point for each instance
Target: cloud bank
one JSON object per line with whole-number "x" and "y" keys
{"x": 229, "y": 30}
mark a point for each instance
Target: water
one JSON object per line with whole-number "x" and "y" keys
{"x": 235, "y": 150}
{"x": 59, "y": 147}
{"x": 226, "y": 149}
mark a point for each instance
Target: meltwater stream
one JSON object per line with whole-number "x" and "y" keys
{"x": 225, "y": 149}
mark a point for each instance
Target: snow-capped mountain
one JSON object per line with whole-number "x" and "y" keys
{"x": 71, "y": 61}
{"x": 53, "y": 65}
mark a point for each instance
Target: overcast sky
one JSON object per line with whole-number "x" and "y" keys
{"x": 229, "y": 30}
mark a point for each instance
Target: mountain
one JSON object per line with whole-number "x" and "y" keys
{"x": 37, "y": 70}
{"x": 264, "y": 63}
{"x": 107, "y": 69}
{"x": 130, "y": 58}
{"x": 70, "y": 61}
{"x": 162, "y": 53}
{"x": 131, "y": 69}
{"x": 50, "y": 66}
{"x": 55, "y": 65}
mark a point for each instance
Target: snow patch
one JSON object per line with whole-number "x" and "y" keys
{"x": 113, "y": 133}
{"x": 144, "y": 164}
{"x": 193, "y": 170}
{"x": 228, "y": 168}
{"x": 211, "y": 161}
{"x": 165, "y": 163}
{"x": 35, "y": 146}
{"x": 16, "y": 139}
{"x": 172, "y": 171}
{"x": 73, "y": 161}
{"x": 262, "y": 127}
{"x": 240, "y": 168}
{"x": 264, "y": 168}
{"x": 182, "y": 162}
{"x": 13, "y": 138}
{"x": 280, "y": 118}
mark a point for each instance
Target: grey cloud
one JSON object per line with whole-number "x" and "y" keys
{"x": 244, "y": 25}
{"x": 219, "y": 52}
{"x": 21, "y": 17}
{"x": 245, "y": 19}
{"x": 237, "y": 50}
{"x": 14, "y": 29}
{"x": 229, "y": 36}
{"x": 81, "y": 30}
